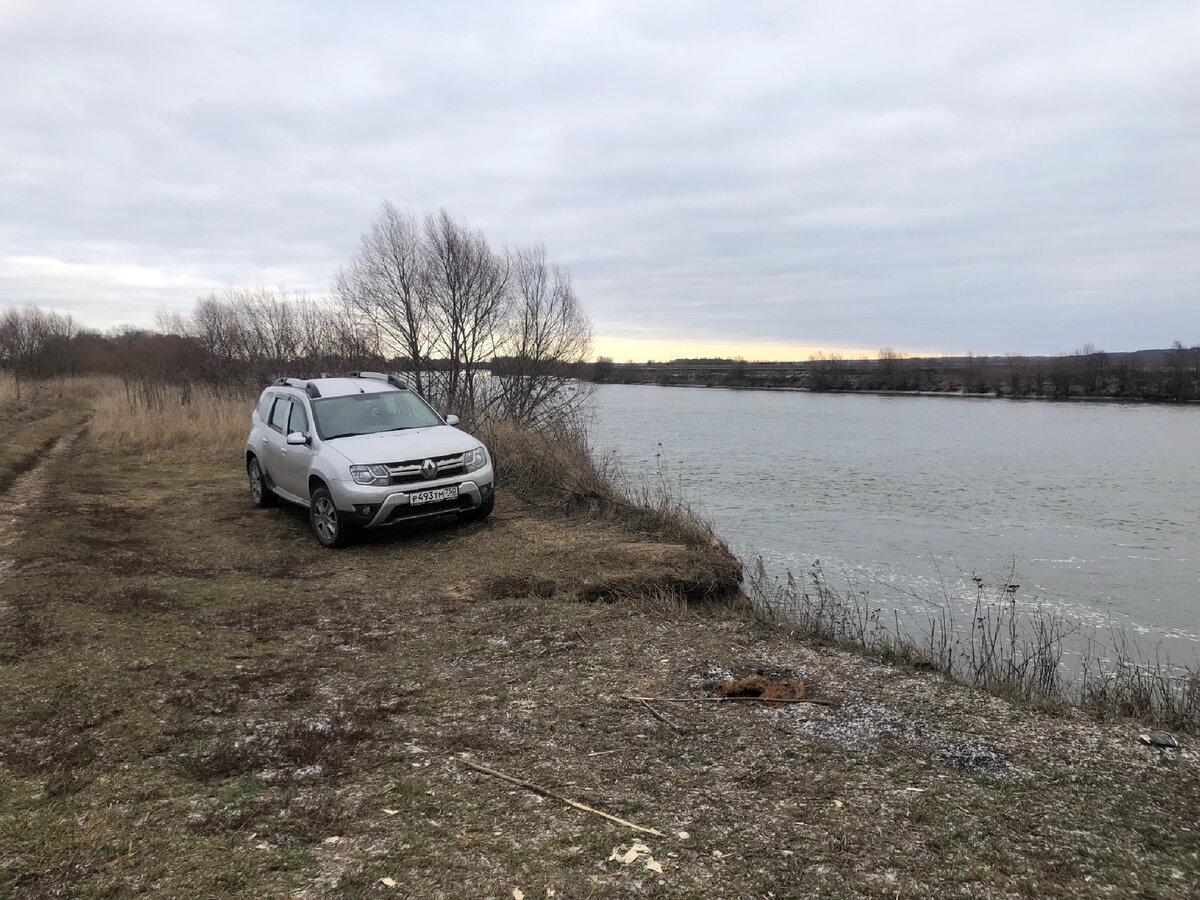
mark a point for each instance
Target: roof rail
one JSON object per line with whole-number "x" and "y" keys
{"x": 307, "y": 386}
{"x": 394, "y": 380}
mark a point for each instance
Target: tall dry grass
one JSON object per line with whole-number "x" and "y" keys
{"x": 8, "y": 393}
{"x": 1010, "y": 652}
{"x": 36, "y": 394}
{"x": 552, "y": 466}
{"x": 151, "y": 419}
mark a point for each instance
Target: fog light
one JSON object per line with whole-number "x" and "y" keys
{"x": 366, "y": 510}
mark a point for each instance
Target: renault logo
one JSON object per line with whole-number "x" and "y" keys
{"x": 429, "y": 469}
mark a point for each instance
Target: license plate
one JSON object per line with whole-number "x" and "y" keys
{"x": 434, "y": 496}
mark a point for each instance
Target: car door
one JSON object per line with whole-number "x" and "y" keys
{"x": 295, "y": 459}
{"x": 273, "y": 443}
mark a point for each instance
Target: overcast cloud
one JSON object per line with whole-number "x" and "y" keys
{"x": 939, "y": 176}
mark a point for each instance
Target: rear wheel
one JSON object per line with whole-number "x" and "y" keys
{"x": 326, "y": 522}
{"x": 259, "y": 492}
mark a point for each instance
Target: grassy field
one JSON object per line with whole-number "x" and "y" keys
{"x": 200, "y": 701}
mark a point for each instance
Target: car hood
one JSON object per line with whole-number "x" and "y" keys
{"x": 399, "y": 446}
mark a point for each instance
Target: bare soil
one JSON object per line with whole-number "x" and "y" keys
{"x": 200, "y": 701}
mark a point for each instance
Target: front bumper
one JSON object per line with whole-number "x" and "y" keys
{"x": 373, "y": 507}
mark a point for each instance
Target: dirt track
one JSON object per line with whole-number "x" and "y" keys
{"x": 25, "y": 492}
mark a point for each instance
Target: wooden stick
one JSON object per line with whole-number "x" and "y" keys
{"x": 654, "y": 712}
{"x": 728, "y": 699}
{"x": 553, "y": 796}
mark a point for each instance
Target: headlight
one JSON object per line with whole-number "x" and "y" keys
{"x": 370, "y": 475}
{"x": 476, "y": 459}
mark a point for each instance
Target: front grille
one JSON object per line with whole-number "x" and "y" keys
{"x": 409, "y": 471}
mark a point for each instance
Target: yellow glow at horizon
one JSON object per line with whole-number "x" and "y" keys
{"x": 622, "y": 349}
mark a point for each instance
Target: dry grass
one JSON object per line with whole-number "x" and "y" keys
{"x": 34, "y": 393}
{"x": 553, "y": 468}
{"x": 1018, "y": 655}
{"x": 8, "y": 394}
{"x": 549, "y": 467}
{"x": 152, "y": 419}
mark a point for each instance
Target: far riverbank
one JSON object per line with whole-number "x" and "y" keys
{"x": 1117, "y": 377}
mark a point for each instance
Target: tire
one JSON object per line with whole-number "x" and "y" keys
{"x": 481, "y": 512}
{"x": 259, "y": 492}
{"x": 327, "y": 525}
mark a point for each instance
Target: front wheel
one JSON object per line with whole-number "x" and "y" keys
{"x": 327, "y": 524}
{"x": 259, "y": 492}
{"x": 481, "y": 512}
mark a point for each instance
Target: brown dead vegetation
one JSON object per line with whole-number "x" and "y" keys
{"x": 761, "y": 687}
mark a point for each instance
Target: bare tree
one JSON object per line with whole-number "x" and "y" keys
{"x": 215, "y": 325}
{"x": 268, "y": 319}
{"x": 434, "y": 294}
{"x": 437, "y": 295}
{"x": 35, "y": 342}
{"x": 889, "y": 364}
{"x": 385, "y": 285}
{"x": 602, "y": 369}
{"x": 546, "y": 337}
{"x": 468, "y": 291}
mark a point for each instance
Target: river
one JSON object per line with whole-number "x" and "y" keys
{"x": 1093, "y": 509}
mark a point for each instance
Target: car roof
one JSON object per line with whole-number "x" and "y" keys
{"x": 339, "y": 387}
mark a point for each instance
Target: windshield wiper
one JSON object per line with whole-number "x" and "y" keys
{"x": 346, "y": 434}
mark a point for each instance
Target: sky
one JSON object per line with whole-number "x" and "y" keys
{"x": 759, "y": 179}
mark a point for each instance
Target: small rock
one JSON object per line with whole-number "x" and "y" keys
{"x": 971, "y": 758}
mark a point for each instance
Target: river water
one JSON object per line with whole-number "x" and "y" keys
{"x": 1093, "y": 509}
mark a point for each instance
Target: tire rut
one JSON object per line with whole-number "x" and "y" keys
{"x": 25, "y": 492}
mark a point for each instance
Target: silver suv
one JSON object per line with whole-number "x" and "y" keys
{"x": 363, "y": 451}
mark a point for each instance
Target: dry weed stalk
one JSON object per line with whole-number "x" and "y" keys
{"x": 1004, "y": 650}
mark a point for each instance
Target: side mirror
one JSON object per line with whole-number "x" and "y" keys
{"x": 296, "y": 438}
{"x": 451, "y": 420}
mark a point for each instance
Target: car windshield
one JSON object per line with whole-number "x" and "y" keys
{"x": 371, "y": 413}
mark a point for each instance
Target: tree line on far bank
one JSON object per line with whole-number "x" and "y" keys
{"x": 1169, "y": 375}
{"x": 425, "y": 295}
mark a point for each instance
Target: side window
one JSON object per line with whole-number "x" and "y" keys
{"x": 299, "y": 420}
{"x": 279, "y": 415}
